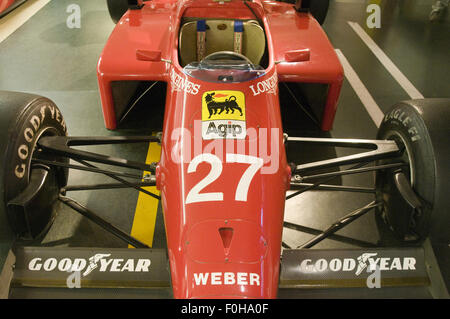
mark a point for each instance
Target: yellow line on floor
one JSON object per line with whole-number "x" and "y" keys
{"x": 146, "y": 208}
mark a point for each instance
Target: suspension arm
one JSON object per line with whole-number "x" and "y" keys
{"x": 344, "y": 221}
{"x": 352, "y": 171}
{"x": 378, "y": 149}
{"x": 61, "y": 145}
{"x": 101, "y": 222}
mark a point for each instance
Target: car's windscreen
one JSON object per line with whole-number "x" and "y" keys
{"x": 224, "y": 67}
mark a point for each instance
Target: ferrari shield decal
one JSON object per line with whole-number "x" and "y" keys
{"x": 223, "y": 115}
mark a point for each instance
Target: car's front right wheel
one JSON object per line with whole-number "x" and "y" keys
{"x": 117, "y": 9}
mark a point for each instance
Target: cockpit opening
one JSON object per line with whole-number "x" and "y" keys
{"x": 222, "y": 50}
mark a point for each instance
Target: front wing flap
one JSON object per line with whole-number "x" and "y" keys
{"x": 91, "y": 268}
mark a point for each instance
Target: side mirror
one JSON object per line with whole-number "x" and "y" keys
{"x": 297, "y": 55}
{"x": 147, "y": 55}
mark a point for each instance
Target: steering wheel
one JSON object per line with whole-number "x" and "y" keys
{"x": 226, "y": 55}
{"x": 222, "y": 58}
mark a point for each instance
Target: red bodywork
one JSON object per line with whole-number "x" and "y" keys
{"x": 226, "y": 243}
{"x": 5, "y": 4}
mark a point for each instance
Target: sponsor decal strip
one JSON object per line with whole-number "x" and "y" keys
{"x": 269, "y": 85}
{"x": 353, "y": 268}
{"x": 179, "y": 83}
{"x": 88, "y": 267}
{"x": 227, "y": 278}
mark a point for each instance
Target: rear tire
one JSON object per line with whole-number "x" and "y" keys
{"x": 422, "y": 128}
{"x": 317, "y": 8}
{"x": 25, "y": 119}
{"x": 117, "y": 9}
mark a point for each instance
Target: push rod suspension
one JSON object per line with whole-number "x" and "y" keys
{"x": 322, "y": 187}
{"x": 102, "y": 223}
{"x": 352, "y": 171}
{"x": 340, "y": 238}
{"x": 61, "y": 145}
{"x": 344, "y": 221}
{"x": 378, "y": 149}
{"x": 71, "y": 188}
{"x": 123, "y": 181}
{"x": 84, "y": 168}
{"x": 317, "y": 184}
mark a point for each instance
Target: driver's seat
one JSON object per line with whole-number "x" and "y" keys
{"x": 220, "y": 37}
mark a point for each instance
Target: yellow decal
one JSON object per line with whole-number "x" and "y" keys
{"x": 223, "y": 115}
{"x": 223, "y": 105}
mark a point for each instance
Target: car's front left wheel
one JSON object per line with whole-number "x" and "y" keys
{"x": 29, "y": 190}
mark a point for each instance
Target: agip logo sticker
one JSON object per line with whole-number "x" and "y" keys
{"x": 223, "y": 115}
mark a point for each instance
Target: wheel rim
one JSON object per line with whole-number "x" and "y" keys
{"x": 406, "y": 156}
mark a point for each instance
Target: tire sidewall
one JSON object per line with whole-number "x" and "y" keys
{"x": 117, "y": 9}
{"x": 38, "y": 118}
{"x": 404, "y": 121}
{"x": 319, "y": 9}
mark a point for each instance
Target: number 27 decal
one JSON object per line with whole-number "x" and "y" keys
{"x": 194, "y": 195}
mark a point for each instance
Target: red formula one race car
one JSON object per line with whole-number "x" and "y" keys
{"x": 6, "y": 6}
{"x": 224, "y": 173}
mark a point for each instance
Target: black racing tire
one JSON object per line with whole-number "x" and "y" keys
{"x": 422, "y": 129}
{"x": 318, "y": 8}
{"x": 25, "y": 119}
{"x": 117, "y": 9}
